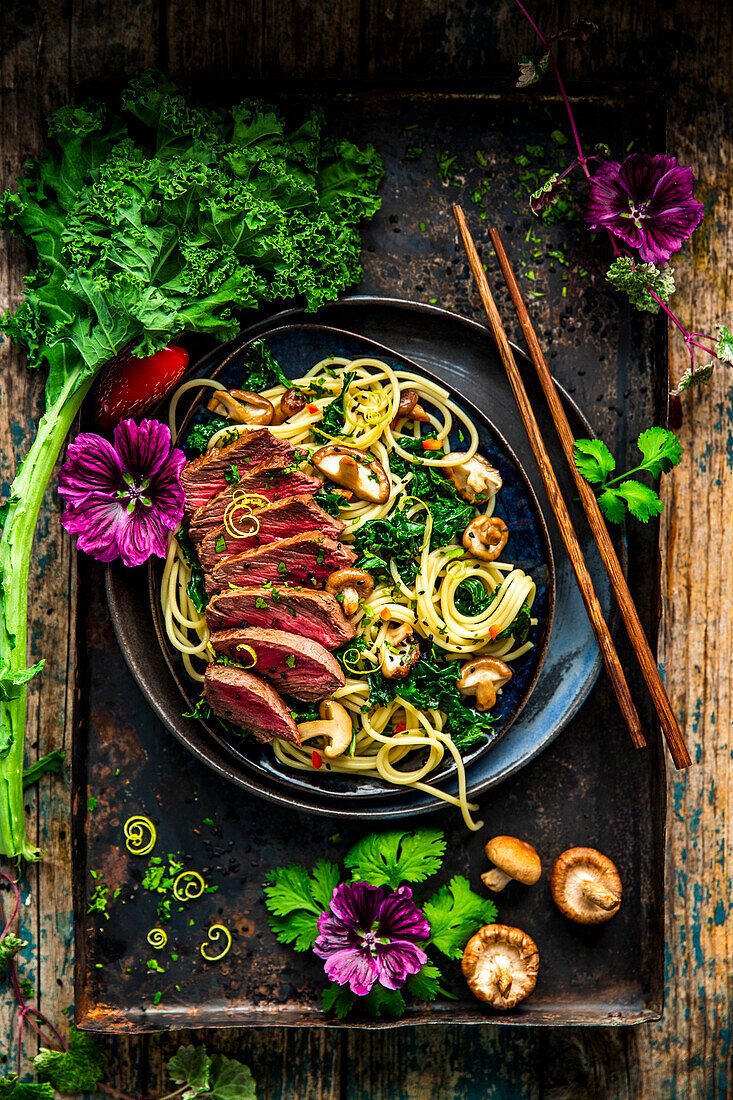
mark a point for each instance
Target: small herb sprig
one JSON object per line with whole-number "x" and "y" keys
{"x": 624, "y": 495}
{"x": 296, "y": 898}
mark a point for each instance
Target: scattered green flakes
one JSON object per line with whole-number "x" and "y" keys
{"x": 530, "y": 274}
{"x": 174, "y": 957}
{"x": 522, "y": 160}
{"x": 413, "y": 152}
{"x": 481, "y": 158}
{"x": 558, "y": 254}
{"x": 582, "y": 272}
{"x": 208, "y": 821}
{"x": 154, "y": 965}
{"x": 159, "y": 877}
{"x": 559, "y": 137}
{"x": 433, "y": 301}
{"x": 128, "y": 970}
{"x": 177, "y": 987}
{"x": 99, "y": 898}
{"x": 98, "y": 966}
{"x": 191, "y": 923}
{"x": 92, "y": 805}
{"x": 117, "y": 771}
{"x": 422, "y": 227}
{"x": 535, "y": 150}
{"x": 564, "y": 292}
{"x": 27, "y": 989}
{"x": 157, "y": 998}
{"x": 631, "y": 145}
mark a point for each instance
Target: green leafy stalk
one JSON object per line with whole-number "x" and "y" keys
{"x": 16, "y": 544}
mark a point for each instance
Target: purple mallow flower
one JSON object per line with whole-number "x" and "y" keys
{"x": 370, "y": 934}
{"x": 647, "y": 202}
{"x": 123, "y": 498}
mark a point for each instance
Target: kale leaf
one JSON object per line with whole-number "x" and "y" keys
{"x": 261, "y": 369}
{"x": 333, "y": 418}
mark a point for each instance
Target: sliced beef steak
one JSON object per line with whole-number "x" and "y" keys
{"x": 315, "y": 615}
{"x": 305, "y": 559}
{"x": 280, "y": 520}
{"x": 298, "y": 666}
{"x": 267, "y": 480}
{"x": 206, "y": 476}
{"x": 247, "y": 701}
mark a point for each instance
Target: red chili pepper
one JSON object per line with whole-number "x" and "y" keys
{"x": 312, "y": 409}
{"x": 316, "y": 760}
{"x": 400, "y": 727}
{"x": 431, "y": 444}
{"x": 493, "y": 632}
{"x": 128, "y": 386}
{"x": 393, "y": 425}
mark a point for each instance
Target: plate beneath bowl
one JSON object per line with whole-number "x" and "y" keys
{"x": 461, "y": 354}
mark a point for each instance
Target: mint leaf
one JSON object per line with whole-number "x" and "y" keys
{"x": 612, "y": 506}
{"x": 10, "y": 946}
{"x": 532, "y": 69}
{"x": 662, "y": 450}
{"x": 13, "y": 1089}
{"x": 190, "y": 1066}
{"x": 388, "y": 859}
{"x": 547, "y": 194}
{"x": 696, "y": 376}
{"x": 78, "y": 1069}
{"x": 454, "y": 914}
{"x": 634, "y": 279}
{"x": 642, "y": 502}
{"x": 230, "y": 1080}
{"x": 724, "y": 346}
{"x": 594, "y": 460}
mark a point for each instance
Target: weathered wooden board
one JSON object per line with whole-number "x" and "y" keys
{"x": 680, "y": 50}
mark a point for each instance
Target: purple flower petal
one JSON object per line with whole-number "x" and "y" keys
{"x": 357, "y": 968}
{"x": 647, "y": 202}
{"x": 357, "y": 903}
{"x": 397, "y": 961}
{"x": 97, "y": 524}
{"x": 143, "y": 448}
{"x": 92, "y": 466}
{"x": 398, "y": 916}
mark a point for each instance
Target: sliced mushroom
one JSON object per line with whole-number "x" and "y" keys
{"x": 485, "y": 537}
{"x": 291, "y": 403}
{"x": 351, "y": 585}
{"x": 400, "y": 652}
{"x": 500, "y": 964}
{"x": 586, "y": 886}
{"x": 483, "y": 677}
{"x": 512, "y": 859}
{"x": 476, "y": 479}
{"x": 409, "y": 407}
{"x": 355, "y": 470}
{"x": 242, "y": 406}
{"x": 334, "y": 725}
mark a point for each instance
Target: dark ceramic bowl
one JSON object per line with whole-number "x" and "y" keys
{"x": 461, "y": 355}
{"x": 296, "y": 348}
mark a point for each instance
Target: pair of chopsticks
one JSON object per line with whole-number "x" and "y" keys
{"x": 670, "y": 728}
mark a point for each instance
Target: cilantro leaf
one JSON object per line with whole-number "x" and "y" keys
{"x": 190, "y": 1066}
{"x": 724, "y": 346}
{"x": 425, "y": 985}
{"x": 594, "y": 460}
{"x": 339, "y": 999}
{"x": 662, "y": 450}
{"x": 388, "y": 859}
{"x": 13, "y": 1089}
{"x": 612, "y": 505}
{"x": 296, "y": 900}
{"x": 635, "y": 279}
{"x": 641, "y": 500}
{"x": 78, "y": 1069}
{"x": 454, "y": 914}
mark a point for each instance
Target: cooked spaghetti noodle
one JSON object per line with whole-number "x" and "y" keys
{"x": 398, "y": 743}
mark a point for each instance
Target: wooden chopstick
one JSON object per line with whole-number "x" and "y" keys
{"x": 567, "y": 531}
{"x": 670, "y": 728}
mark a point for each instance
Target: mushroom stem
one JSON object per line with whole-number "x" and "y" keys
{"x": 600, "y": 895}
{"x": 503, "y": 977}
{"x": 496, "y": 880}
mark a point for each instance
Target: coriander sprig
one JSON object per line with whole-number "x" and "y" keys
{"x": 624, "y": 495}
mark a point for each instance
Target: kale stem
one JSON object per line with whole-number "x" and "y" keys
{"x": 24, "y": 502}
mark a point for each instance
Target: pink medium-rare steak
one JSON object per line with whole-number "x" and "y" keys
{"x": 280, "y": 520}
{"x": 306, "y": 559}
{"x": 206, "y": 476}
{"x": 298, "y": 666}
{"x": 267, "y": 480}
{"x": 247, "y": 701}
{"x": 316, "y": 615}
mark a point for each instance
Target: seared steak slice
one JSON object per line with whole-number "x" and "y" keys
{"x": 267, "y": 480}
{"x": 305, "y": 559}
{"x": 280, "y": 520}
{"x": 298, "y": 666}
{"x": 316, "y": 615}
{"x": 248, "y": 701}
{"x": 205, "y": 476}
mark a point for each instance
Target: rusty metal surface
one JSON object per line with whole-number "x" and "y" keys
{"x": 588, "y": 787}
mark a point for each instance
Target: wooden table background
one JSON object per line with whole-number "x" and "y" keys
{"x": 680, "y": 50}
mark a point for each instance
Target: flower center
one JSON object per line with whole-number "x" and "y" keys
{"x": 134, "y": 492}
{"x": 637, "y": 213}
{"x": 371, "y": 939}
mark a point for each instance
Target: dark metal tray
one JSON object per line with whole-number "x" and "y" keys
{"x": 588, "y": 787}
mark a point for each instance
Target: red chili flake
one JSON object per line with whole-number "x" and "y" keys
{"x": 312, "y": 409}
{"x": 393, "y": 425}
{"x": 431, "y": 445}
{"x": 400, "y": 727}
{"x": 493, "y": 632}
{"x": 316, "y": 760}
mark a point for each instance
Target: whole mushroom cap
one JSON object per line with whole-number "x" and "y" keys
{"x": 586, "y": 886}
{"x": 500, "y": 964}
{"x": 515, "y": 859}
